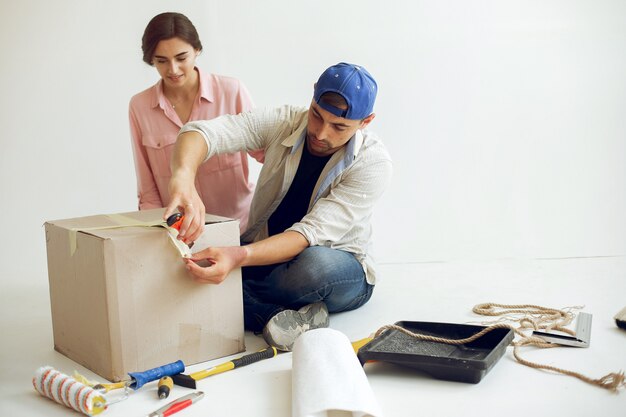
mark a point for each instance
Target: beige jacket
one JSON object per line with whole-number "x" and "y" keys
{"x": 340, "y": 210}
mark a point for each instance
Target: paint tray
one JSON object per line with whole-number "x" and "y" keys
{"x": 464, "y": 363}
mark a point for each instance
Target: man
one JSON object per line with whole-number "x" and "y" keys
{"x": 306, "y": 249}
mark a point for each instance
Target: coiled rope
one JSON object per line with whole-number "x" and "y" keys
{"x": 533, "y": 317}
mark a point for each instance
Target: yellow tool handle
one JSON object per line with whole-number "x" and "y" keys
{"x": 360, "y": 343}
{"x": 112, "y": 386}
{"x": 266, "y": 353}
{"x": 227, "y": 366}
{"x": 164, "y": 387}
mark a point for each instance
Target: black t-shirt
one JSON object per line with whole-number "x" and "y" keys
{"x": 296, "y": 202}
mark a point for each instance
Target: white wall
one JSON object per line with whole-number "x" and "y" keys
{"x": 505, "y": 119}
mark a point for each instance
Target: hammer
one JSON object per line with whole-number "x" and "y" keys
{"x": 189, "y": 381}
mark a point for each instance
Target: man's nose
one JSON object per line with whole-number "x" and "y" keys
{"x": 323, "y": 131}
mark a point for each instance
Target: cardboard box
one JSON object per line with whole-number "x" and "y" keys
{"x": 123, "y": 302}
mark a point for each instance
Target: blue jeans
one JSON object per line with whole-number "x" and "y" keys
{"x": 317, "y": 274}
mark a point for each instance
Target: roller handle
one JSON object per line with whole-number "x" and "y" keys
{"x": 270, "y": 352}
{"x": 141, "y": 378}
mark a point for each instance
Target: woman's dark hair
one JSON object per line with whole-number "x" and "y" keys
{"x": 167, "y": 26}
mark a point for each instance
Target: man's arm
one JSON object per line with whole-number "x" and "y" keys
{"x": 245, "y": 103}
{"x": 225, "y": 134}
{"x": 189, "y": 152}
{"x": 275, "y": 249}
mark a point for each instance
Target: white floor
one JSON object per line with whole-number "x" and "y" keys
{"x": 438, "y": 292}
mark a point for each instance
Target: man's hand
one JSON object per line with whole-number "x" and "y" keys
{"x": 275, "y": 249}
{"x": 185, "y": 199}
{"x": 188, "y": 155}
{"x": 222, "y": 261}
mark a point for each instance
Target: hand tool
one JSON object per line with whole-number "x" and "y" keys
{"x": 70, "y": 392}
{"x": 189, "y": 381}
{"x": 581, "y": 337}
{"x": 175, "y": 221}
{"x": 138, "y": 379}
{"x": 164, "y": 387}
{"x": 360, "y": 343}
{"x": 177, "y": 405}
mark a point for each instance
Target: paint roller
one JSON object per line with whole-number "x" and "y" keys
{"x": 90, "y": 399}
{"x": 67, "y": 391}
{"x": 138, "y": 379}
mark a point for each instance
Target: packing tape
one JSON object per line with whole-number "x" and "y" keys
{"x": 120, "y": 221}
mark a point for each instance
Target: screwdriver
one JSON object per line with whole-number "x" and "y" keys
{"x": 177, "y": 405}
{"x": 164, "y": 387}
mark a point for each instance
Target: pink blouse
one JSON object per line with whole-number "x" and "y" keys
{"x": 222, "y": 181}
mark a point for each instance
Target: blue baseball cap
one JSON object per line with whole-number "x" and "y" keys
{"x": 354, "y": 84}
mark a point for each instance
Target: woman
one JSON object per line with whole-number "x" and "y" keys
{"x": 184, "y": 93}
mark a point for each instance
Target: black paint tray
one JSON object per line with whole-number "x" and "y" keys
{"x": 464, "y": 363}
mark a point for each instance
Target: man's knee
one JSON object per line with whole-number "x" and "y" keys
{"x": 319, "y": 262}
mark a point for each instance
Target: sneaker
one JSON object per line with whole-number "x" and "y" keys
{"x": 284, "y": 328}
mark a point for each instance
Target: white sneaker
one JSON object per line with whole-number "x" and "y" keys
{"x": 284, "y": 328}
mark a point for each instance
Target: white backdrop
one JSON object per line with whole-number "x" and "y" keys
{"x": 506, "y": 120}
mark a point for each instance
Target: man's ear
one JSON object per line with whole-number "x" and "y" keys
{"x": 367, "y": 120}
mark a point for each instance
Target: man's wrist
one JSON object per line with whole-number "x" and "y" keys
{"x": 243, "y": 255}
{"x": 183, "y": 174}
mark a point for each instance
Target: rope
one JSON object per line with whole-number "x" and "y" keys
{"x": 533, "y": 317}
